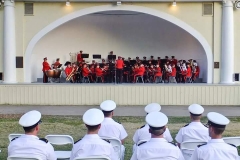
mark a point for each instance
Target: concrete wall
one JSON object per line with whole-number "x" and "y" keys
{"x": 128, "y": 34}
{"x": 122, "y": 94}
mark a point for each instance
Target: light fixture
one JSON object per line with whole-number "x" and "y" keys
{"x": 119, "y": 3}
{"x": 68, "y": 3}
{"x": 174, "y": 3}
{"x": 237, "y": 4}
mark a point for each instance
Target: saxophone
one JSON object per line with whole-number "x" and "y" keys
{"x": 71, "y": 74}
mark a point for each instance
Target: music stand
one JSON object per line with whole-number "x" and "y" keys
{"x": 111, "y": 57}
{"x": 85, "y": 55}
{"x": 97, "y": 56}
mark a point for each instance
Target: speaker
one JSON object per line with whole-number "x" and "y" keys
{"x": 237, "y": 4}
{"x": 236, "y": 76}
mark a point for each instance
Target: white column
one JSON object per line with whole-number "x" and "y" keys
{"x": 9, "y": 43}
{"x": 227, "y": 55}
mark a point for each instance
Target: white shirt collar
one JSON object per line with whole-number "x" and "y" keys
{"x": 30, "y": 136}
{"x": 108, "y": 118}
{"x": 216, "y": 141}
{"x": 157, "y": 140}
{"x": 91, "y": 136}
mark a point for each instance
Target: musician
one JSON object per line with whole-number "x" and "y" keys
{"x": 151, "y": 71}
{"x": 173, "y": 74}
{"x": 178, "y": 74}
{"x": 140, "y": 72}
{"x": 92, "y": 74}
{"x": 75, "y": 72}
{"x": 45, "y": 68}
{"x": 196, "y": 71}
{"x": 173, "y": 60}
{"x": 69, "y": 70}
{"x": 152, "y": 58}
{"x": 158, "y": 74}
{"x": 79, "y": 57}
{"x": 188, "y": 73}
{"x": 99, "y": 72}
{"x": 57, "y": 63}
{"x": 119, "y": 71}
{"x": 86, "y": 71}
{"x": 138, "y": 61}
{"x": 159, "y": 61}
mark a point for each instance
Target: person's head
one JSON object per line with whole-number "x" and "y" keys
{"x": 69, "y": 65}
{"x": 188, "y": 65}
{"x": 85, "y": 65}
{"x": 151, "y": 66}
{"x": 111, "y": 53}
{"x": 93, "y": 119}
{"x": 129, "y": 58}
{"x": 152, "y": 57}
{"x": 149, "y": 61}
{"x": 119, "y": 57}
{"x": 159, "y": 58}
{"x": 107, "y": 108}
{"x": 141, "y": 65}
{"x": 97, "y": 66}
{"x": 173, "y": 65}
{"x": 144, "y": 58}
{"x": 157, "y": 122}
{"x": 93, "y": 61}
{"x": 217, "y": 124}
{"x": 173, "y": 57}
{"x": 45, "y": 59}
{"x": 196, "y": 112}
{"x": 103, "y": 60}
{"x": 157, "y": 65}
{"x": 137, "y": 58}
{"x": 58, "y": 59}
{"x": 166, "y": 57}
{"x": 81, "y": 52}
{"x": 30, "y": 122}
{"x": 74, "y": 65}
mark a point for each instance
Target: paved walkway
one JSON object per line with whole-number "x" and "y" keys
{"x": 120, "y": 111}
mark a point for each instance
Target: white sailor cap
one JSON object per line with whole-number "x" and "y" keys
{"x": 30, "y": 119}
{"x": 108, "y": 105}
{"x": 93, "y": 117}
{"x": 217, "y": 120}
{"x": 156, "y": 120}
{"x": 196, "y": 109}
{"x": 152, "y": 107}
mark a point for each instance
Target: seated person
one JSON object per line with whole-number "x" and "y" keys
{"x": 140, "y": 72}
{"x": 85, "y": 71}
{"x": 68, "y": 71}
{"x": 188, "y": 73}
{"x": 158, "y": 73}
{"x": 151, "y": 72}
{"x": 57, "y": 64}
{"x": 173, "y": 74}
{"x": 196, "y": 71}
{"x": 99, "y": 72}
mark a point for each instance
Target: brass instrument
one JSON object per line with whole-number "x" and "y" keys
{"x": 71, "y": 74}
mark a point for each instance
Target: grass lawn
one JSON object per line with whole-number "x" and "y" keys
{"x": 73, "y": 125}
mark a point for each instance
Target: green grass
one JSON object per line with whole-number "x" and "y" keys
{"x": 73, "y": 125}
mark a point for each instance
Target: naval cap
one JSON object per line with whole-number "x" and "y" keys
{"x": 30, "y": 118}
{"x": 152, "y": 107}
{"x": 93, "y": 117}
{"x": 217, "y": 120}
{"x": 108, "y": 105}
{"x": 196, "y": 109}
{"x": 156, "y": 120}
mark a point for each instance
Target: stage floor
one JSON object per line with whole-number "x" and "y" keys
{"x": 124, "y": 94}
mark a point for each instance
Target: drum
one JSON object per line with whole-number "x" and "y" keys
{"x": 57, "y": 73}
{"x": 50, "y": 73}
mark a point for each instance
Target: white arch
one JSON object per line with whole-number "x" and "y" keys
{"x": 153, "y": 12}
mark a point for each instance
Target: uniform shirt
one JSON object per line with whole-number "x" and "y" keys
{"x": 215, "y": 149}
{"x": 85, "y": 72}
{"x": 158, "y": 71}
{"x": 119, "y": 64}
{"x": 157, "y": 148}
{"x": 110, "y": 128}
{"x": 141, "y": 71}
{"x": 143, "y": 134}
{"x": 194, "y": 131}
{"x": 174, "y": 71}
{"x": 98, "y": 71}
{"x": 31, "y": 145}
{"x": 92, "y": 145}
{"x": 189, "y": 72}
{"x": 68, "y": 70}
{"x": 46, "y": 66}
{"x": 79, "y": 58}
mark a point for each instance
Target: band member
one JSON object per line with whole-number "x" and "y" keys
{"x": 79, "y": 57}
{"x": 196, "y": 71}
{"x": 68, "y": 71}
{"x": 173, "y": 60}
{"x": 45, "y": 68}
{"x": 159, "y": 61}
{"x": 188, "y": 74}
{"x": 119, "y": 67}
{"x": 152, "y": 58}
{"x": 140, "y": 72}
{"x": 99, "y": 72}
{"x": 86, "y": 71}
{"x": 151, "y": 72}
{"x": 178, "y": 74}
{"x": 173, "y": 74}
{"x": 158, "y": 74}
{"x": 144, "y": 61}
{"x": 57, "y": 63}
{"x": 92, "y": 75}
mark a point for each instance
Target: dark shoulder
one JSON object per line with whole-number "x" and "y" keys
{"x": 232, "y": 145}
{"x": 186, "y": 125}
{"x": 77, "y": 141}
{"x": 118, "y": 122}
{"x": 14, "y": 139}
{"x": 141, "y": 143}
{"x": 172, "y": 143}
{"x": 205, "y": 125}
{"x": 201, "y": 145}
{"x": 106, "y": 140}
{"x": 44, "y": 140}
{"x": 142, "y": 126}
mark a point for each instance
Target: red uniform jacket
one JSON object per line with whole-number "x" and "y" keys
{"x": 56, "y": 64}
{"x": 150, "y": 71}
{"x": 68, "y": 70}
{"x": 174, "y": 71}
{"x": 85, "y": 72}
{"x": 79, "y": 58}
{"x": 119, "y": 64}
{"x": 197, "y": 71}
{"x": 99, "y": 72}
{"x": 92, "y": 69}
{"x": 189, "y": 72}
{"x": 158, "y": 71}
{"x": 141, "y": 71}
{"x": 46, "y": 66}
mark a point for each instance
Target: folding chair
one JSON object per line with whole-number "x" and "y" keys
{"x": 20, "y": 157}
{"x": 93, "y": 158}
{"x": 117, "y": 144}
{"x": 14, "y": 135}
{"x": 232, "y": 140}
{"x": 189, "y": 147}
{"x": 61, "y": 140}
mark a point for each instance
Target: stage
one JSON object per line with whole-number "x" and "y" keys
{"x": 122, "y": 94}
